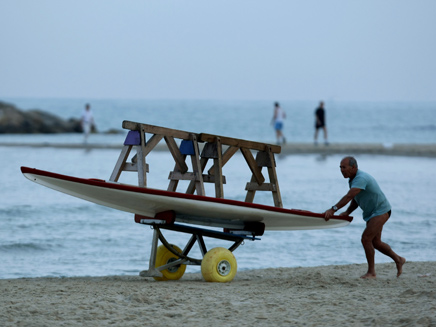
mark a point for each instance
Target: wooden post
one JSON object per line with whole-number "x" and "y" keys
{"x": 196, "y": 168}
{"x": 265, "y": 159}
{"x": 178, "y": 158}
{"x": 119, "y": 166}
{"x": 192, "y": 184}
{"x": 231, "y": 150}
{"x": 218, "y": 163}
{"x": 273, "y": 179}
{"x": 142, "y": 170}
{"x": 188, "y": 147}
{"x": 257, "y": 172}
{"x": 174, "y": 180}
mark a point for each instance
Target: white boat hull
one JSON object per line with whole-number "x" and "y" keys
{"x": 191, "y": 209}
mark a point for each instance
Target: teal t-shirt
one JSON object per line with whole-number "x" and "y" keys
{"x": 371, "y": 199}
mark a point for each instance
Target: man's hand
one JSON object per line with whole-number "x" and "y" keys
{"x": 344, "y": 214}
{"x": 328, "y": 214}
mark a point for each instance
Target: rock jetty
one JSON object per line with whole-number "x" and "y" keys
{"x": 16, "y": 121}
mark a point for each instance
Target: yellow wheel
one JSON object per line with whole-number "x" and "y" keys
{"x": 218, "y": 265}
{"x": 164, "y": 256}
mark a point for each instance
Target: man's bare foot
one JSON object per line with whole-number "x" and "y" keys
{"x": 400, "y": 266}
{"x": 368, "y": 276}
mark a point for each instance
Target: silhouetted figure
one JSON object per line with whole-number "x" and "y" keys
{"x": 320, "y": 122}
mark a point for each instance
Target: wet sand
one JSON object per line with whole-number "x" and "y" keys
{"x": 307, "y": 296}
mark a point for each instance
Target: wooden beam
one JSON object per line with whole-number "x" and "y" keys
{"x": 212, "y": 179}
{"x": 257, "y": 173}
{"x": 130, "y": 166}
{"x": 178, "y": 157}
{"x": 218, "y": 171}
{"x": 263, "y": 187}
{"x": 152, "y": 142}
{"x": 191, "y": 187}
{"x": 133, "y": 126}
{"x": 172, "y": 186}
{"x": 204, "y": 137}
{"x": 176, "y": 175}
{"x": 142, "y": 170}
{"x": 125, "y": 151}
{"x": 196, "y": 167}
{"x": 251, "y": 192}
{"x": 274, "y": 180}
{"x": 231, "y": 150}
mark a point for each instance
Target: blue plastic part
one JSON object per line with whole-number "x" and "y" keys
{"x": 187, "y": 147}
{"x": 133, "y": 138}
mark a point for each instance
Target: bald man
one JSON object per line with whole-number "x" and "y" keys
{"x": 366, "y": 193}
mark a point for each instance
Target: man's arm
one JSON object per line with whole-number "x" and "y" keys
{"x": 353, "y": 206}
{"x": 343, "y": 202}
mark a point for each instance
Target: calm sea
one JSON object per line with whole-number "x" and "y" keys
{"x": 47, "y": 233}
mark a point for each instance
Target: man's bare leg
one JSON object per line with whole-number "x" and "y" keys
{"x": 387, "y": 250}
{"x": 371, "y": 239}
{"x": 373, "y": 229}
{"x": 325, "y": 134}
{"x": 369, "y": 252}
{"x": 400, "y": 266}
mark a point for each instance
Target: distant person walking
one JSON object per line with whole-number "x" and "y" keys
{"x": 87, "y": 122}
{"x": 278, "y": 119}
{"x": 320, "y": 122}
{"x": 366, "y": 193}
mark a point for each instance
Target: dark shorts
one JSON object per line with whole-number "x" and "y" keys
{"x": 319, "y": 126}
{"x": 389, "y": 215}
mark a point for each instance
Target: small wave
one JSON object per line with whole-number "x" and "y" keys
{"x": 430, "y": 127}
{"x": 25, "y": 247}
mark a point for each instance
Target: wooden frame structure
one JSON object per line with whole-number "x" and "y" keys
{"x": 220, "y": 149}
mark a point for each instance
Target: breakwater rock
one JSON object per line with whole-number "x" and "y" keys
{"x": 16, "y": 121}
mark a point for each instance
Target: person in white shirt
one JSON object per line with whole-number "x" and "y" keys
{"x": 87, "y": 121}
{"x": 278, "y": 118}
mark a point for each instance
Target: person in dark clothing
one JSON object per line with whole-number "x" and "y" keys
{"x": 320, "y": 122}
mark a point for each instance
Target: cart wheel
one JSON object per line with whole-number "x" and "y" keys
{"x": 164, "y": 256}
{"x": 219, "y": 265}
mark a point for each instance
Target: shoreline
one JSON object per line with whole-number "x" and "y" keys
{"x": 416, "y": 150}
{"x": 309, "y": 296}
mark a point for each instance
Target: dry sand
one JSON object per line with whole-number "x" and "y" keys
{"x": 314, "y": 296}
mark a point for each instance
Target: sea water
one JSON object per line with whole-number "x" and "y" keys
{"x": 47, "y": 233}
{"x": 347, "y": 122}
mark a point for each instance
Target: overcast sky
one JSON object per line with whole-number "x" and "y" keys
{"x": 372, "y": 50}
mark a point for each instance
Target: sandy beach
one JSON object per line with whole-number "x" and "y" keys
{"x": 304, "y": 296}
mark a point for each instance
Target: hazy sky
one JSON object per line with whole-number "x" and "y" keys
{"x": 239, "y": 49}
